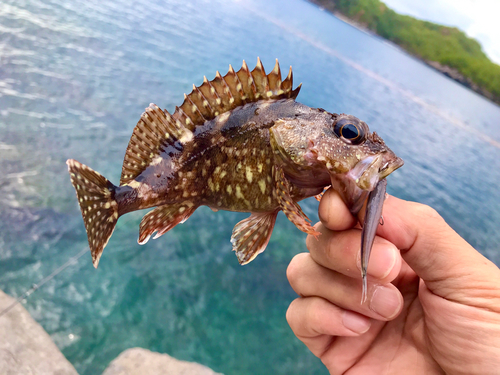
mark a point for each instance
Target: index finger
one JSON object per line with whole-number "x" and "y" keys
{"x": 333, "y": 212}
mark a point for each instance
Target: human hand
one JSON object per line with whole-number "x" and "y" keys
{"x": 433, "y": 301}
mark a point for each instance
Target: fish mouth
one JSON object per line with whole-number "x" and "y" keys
{"x": 355, "y": 186}
{"x": 390, "y": 166}
{"x": 369, "y": 171}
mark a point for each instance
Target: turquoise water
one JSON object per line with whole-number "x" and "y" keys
{"x": 74, "y": 79}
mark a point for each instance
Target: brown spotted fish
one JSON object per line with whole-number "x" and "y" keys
{"x": 239, "y": 143}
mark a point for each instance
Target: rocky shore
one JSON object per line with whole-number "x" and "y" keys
{"x": 26, "y": 349}
{"x": 443, "y": 69}
{"x": 460, "y": 78}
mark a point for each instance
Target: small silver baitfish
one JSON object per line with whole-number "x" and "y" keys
{"x": 239, "y": 143}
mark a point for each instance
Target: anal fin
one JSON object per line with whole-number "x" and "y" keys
{"x": 162, "y": 219}
{"x": 251, "y": 236}
{"x": 289, "y": 207}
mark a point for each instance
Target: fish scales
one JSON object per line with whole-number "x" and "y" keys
{"x": 240, "y": 142}
{"x": 225, "y": 166}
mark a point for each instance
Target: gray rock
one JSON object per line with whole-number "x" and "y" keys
{"x": 138, "y": 361}
{"x": 25, "y": 348}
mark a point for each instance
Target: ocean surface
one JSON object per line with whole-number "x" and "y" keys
{"x": 75, "y": 77}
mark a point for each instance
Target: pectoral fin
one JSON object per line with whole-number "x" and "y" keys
{"x": 320, "y": 195}
{"x": 291, "y": 208}
{"x": 250, "y": 236}
{"x": 162, "y": 219}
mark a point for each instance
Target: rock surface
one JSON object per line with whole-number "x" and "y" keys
{"x": 25, "y": 347}
{"x": 138, "y": 361}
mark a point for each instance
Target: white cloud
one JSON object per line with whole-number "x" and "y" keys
{"x": 478, "y": 18}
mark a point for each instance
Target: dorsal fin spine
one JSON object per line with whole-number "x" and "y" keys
{"x": 194, "y": 107}
{"x": 296, "y": 91}
{"x": 287, "y": 84}
{"x": 239, "y": 85}
{"x": 251, "y": 83}
{"x": 274, "y": 79}
{"x": 205, "y": 102}
{"x": 261, "y": 81}
{"x": 244, "y": 77}
{"x": 216, "y": 96}
{"x": 157, "y": 128}
{"x": 227, "y": 90}
{"x": 187, "y": 120}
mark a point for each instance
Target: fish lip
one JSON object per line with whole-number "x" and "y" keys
{"x": 390, "y": 166}
{"x": 384, "y": 167}
{"x": 361, "y": 175}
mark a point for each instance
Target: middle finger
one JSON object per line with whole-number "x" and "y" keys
{"x": 340, "y": 251}
{"x": 308, "y": 279}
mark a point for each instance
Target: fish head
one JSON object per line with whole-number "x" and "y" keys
{"x": 334, "y": 149}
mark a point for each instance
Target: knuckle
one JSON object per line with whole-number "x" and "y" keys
{"x": 427, "y": 212}
{"x": 317, "y": 312}
{"x": 313, "y": 309}
{"x": 291, "y": 313}
{"x": 294, "y": 270}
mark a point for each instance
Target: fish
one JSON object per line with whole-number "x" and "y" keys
{"x": 240, "y": 142}
{"x": 373, "y": 213}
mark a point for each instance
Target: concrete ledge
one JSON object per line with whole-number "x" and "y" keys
{"x": 25, "y": 347}
{"x": 138, "y": 361}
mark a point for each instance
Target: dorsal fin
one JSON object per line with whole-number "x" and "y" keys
{"x": 157, "y": 129}
{"x": 223, "y": 94}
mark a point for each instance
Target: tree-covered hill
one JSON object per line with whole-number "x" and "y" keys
{"x": 445, "y": 48}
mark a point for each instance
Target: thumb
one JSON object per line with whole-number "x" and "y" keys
{"x": 449, "y": 266}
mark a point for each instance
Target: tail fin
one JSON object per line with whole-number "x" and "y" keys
{"x": 96, "y": 196}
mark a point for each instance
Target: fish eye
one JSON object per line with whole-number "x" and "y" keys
{"x": 349, "y": 132}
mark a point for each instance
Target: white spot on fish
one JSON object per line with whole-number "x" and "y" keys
{"x": 223, "y": 117}
{"x": 239, "y": 194}
{"x": 211, "y": 184}
{"x": 156, "y": 160}
{"x": 262, "y": 185}
{"x": 187, "y": 136}
{"x": 248, "y": 173}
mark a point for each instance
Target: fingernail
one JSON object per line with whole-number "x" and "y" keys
{"x": 385, "y": 301}
{"x": 380, "y": 266}
{"x": 355, "y": 322}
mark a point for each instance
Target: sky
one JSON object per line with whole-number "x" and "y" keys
{"x": 479, "y": 19}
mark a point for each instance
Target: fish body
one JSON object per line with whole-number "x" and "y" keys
{"x": 239, "y": 143}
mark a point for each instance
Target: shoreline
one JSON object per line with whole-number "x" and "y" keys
{"x": 445, "y": 70}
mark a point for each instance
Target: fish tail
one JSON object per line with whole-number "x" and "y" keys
{"x": 96, "y": 196}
